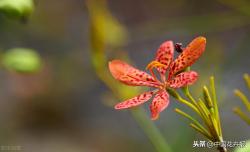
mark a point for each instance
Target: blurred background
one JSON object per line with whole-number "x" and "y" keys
{"x": 66, "y": 106}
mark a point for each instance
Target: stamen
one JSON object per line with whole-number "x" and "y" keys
{"x": 154, "y": 64}
{"x": 153, "y": 74}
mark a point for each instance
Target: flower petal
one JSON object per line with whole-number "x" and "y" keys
{"x": 159, "y": 103}
{"x": 140, "y": 99}
{"x": 165, "y": 55}
{"x": 183, "y": 79}
{"x": 130, "y": 75}
{"x": 190, "y": 54}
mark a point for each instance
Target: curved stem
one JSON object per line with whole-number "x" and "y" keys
{"x": 194, "y": 108}
{"x": 243, "y": 98}
{"x": 177, "y": 96}
{"x": 196, "y": 124}
{"x": 247, "y": 80}
{"x": 242, "y": 115}
{"x": 151, "y": 130}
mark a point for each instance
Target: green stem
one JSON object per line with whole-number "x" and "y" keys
{"x": 188, "y": 95}
{"x": 242, "y": 115}
{"x": 199, "y": 130}
{"x": 194, "y": 108}
{"x": 151, "y": 130}
{"x": 176, "y": 95}
{"x": 247, "y": 79}
{"x": 196, "y": 124}
{"x": 243, "y": 98}
{"x": 215, "y": 103}
{"x": 241, "y": 6}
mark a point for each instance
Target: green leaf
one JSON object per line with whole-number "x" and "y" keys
{"x": 17, "y": 8}
{"x": 22, "y": 60}
{"x": 243, "y": 98}
{"x": 207, "y": 98}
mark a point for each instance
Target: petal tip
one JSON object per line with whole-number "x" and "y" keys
{"x": 202, "y": 39}
{"x": 117, "y": 107}
{"x": 194, "y": 74}
{"x": 199, "y": 41}
{"x": 117, "y": 68}
{"x": 154, "y": 117}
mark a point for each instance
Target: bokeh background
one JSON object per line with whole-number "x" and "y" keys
{"x": 66, "y": 107}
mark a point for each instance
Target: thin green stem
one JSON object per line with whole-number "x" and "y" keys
{"x": 243, "y": 98}
{"x": 150, "y": 129}
{"x": 205, "y": 118}
{"x": 207, "y": 97}
{"x": 197, "y": 124}
{"x": 242, "y": 115}
{"x": 239, "y": 5}
{"x": 177, "y": 96}
{"x": 188, "y": 95}
{"x": 200, "y": 131}
{"x": 215, "y": 103}
{"x": 247, "y": 79}
{"x": 201, "y": 110}
{"x": 189, "y": 105}
{"x": 214, "y": 125}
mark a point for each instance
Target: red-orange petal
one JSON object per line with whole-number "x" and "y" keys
{"x": 159, "y": 103}
{"x": 129, "y": 75}
{"x": 165, "y": 55}
{"x": 190, "y": 54}
{"x": 183, "y": 79}
{"x": 140, "y": 99}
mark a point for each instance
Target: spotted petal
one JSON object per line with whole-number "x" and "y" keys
{"x": 183, "y": 79}
{"x": 130, "y": 75}
{"x": 159, "y": 103}
{"x": 164, "y": 55}
{"x": 190, "y": 54}
{"x": 140, "y": 99}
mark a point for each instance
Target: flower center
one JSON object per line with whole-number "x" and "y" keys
{"x": 156, "y": 64}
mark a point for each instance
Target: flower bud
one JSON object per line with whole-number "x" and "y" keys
{"x": 207, "y": 98}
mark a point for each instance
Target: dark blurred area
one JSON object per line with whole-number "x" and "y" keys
{"x": 64, "y": 107}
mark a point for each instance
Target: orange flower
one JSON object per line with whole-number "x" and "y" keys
{"x": 164, "y": 63}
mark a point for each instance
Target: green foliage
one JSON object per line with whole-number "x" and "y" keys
{"x": 17, "y": 8}
{"x": 243, "y": 115}
{"x": 22, "y": 60}
{"x": 103, "y": 24}
{"x": 246, "y": 148}
{"x": 207, "y": 110}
